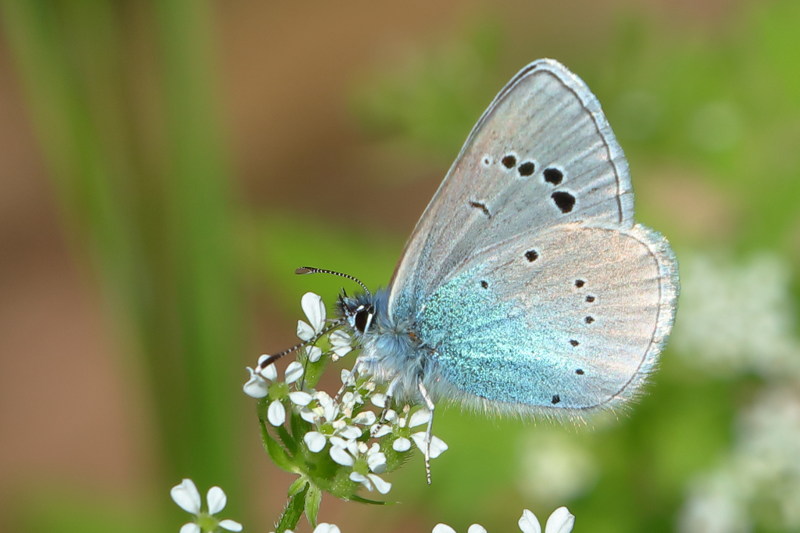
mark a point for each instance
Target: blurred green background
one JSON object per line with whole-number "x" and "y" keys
{"x": 165, "y": 165}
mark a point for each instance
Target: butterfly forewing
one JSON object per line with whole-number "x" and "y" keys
{"x": 541, "y": 155}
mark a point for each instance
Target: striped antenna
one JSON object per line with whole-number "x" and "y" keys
{"x": 313, "y": 270}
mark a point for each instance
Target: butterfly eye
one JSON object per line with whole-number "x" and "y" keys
{"x": 363, "y": 318}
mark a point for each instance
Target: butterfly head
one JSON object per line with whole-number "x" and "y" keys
{"x": 359, "y": 311}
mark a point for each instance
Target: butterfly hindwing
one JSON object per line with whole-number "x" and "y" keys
{"x": 569, "y": 319}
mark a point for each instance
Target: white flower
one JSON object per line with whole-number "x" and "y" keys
{"x": 437, "y": 445}
{"x": 327, "y": 528}
{"x": 326, "y": 414}
{"x": 341, "y": 343}
{"x": 188, "y": 498}
{"x": 561, "y": 521}
{"x": 258, "y": 387}
{"x": 315, "y": 313}
{"x": 371, "y": 479}
{"x": 403, "y": 444}
{"x": 346, "y": 453}
{"x": 313, "y": 353}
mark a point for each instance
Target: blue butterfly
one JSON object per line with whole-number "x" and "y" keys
{"x": 526, "y": 286}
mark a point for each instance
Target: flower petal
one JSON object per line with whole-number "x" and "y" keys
{"x": 216, "y": 500}
{"x": 378, "y": 400}
{"x": 300, "y": 398}
{"x": 379, "y": 430}
{"x": 401, "y": 445}
{"x": 528, "y": 523}
{"x": 364, "y": 418}
{"x": 191, "y": 527}
{"x": 437, "y": 445}
{"x": 327, "y": 528}
{"x": 561, "y": 521}
{"x": 315, "y": 441}
{"x": 476, "y": 528}
{"x": 382, "y": 486}
{"x": 313, "y": 353}
{"x": 442, "y": 528}
{"x": 230, "y": 525}
{"x": 314, "y": 309}
{"x": 304, "y": 331}
{"x": 256, "y": 386}
{"x": 186, "y": 496}
{"x": 294, "y": 371}
{"x": 341, "y": 456}
{"x": 376, "y": 461}
{"x": 350, "y": 432}
{"x": 420, "y": 416}
{"x": 360, "y": 478}
{"x": 309, "y": 415}
{"x": 269, "y": 372}
{"x": 276, "y": 413}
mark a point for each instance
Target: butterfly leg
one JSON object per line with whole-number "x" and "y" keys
{"x": 351, "y": 380}
{"x": 388, "y": 402}
{"x": 428, "y": 433}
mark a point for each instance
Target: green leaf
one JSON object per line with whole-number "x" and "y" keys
{"x": 275, "y": 451}
{"x": 292, "y": 512}
{"x": 313, "y": 501}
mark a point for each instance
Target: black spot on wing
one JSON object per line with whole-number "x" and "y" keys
{"x": 527, "y": 168}
{"x": 553, "y": 176}
{"x": 563, "y": 200}
{"x": 482, "y": 207}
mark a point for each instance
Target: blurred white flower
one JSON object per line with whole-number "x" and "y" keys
{"x": 761, "y": 472}
{"x": 187, "y": 497}
{"x": 561, "y": 521}
{"x": 553, "y": 466}
{"x": 737, "y": 316}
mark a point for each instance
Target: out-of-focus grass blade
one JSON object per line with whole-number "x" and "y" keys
{"x": 153, "y": 219}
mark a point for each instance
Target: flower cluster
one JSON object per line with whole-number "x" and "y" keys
{"x": 335, "y": 443}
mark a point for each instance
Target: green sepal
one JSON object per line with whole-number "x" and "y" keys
{"x": 313, "y": 501}
{"x": 287, "y": 439}
{"x": 297, "y": 486}
{"x": 292, "y": 512}
{"x": 299, "y": 426}
{"x": 275, "y": 451}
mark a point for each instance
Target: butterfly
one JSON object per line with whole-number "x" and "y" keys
{"x": 526, "y": 287}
